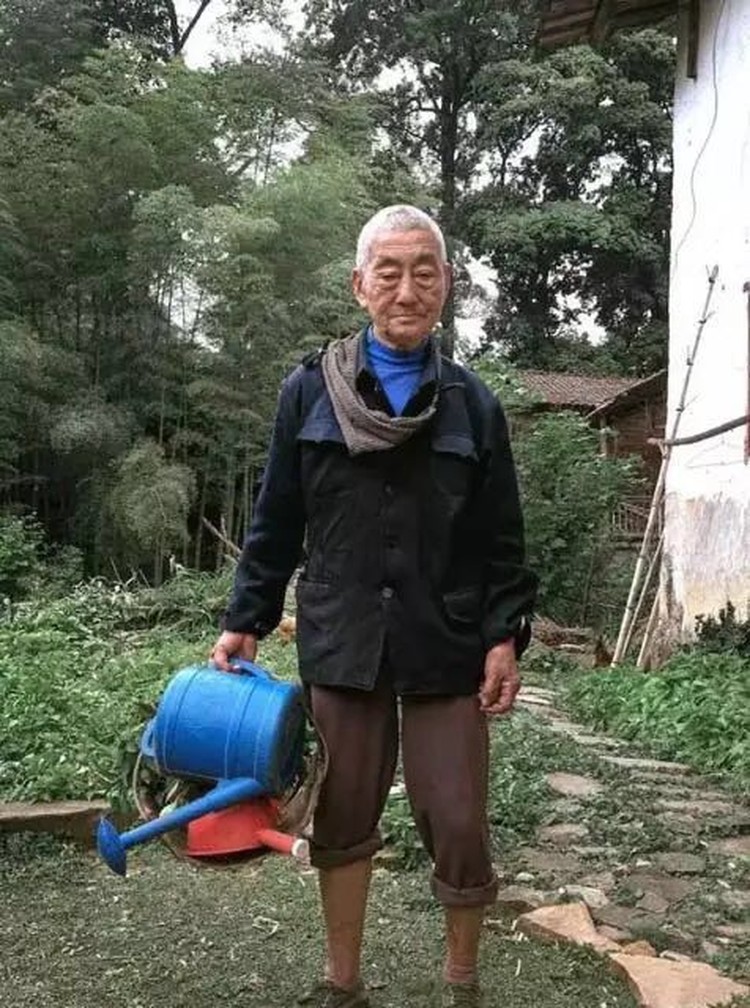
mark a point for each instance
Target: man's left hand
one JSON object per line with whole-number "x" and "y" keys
{"x": 501, "y": 680}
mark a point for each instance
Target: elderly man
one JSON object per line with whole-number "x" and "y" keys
{"x": 393, "y": 464}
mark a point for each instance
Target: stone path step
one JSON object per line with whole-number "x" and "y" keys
{"x": 76, "y": 819}
{"x": 636, "y": 763}
{"x": 685, "y": 893}
{"x": 668, "y": 981}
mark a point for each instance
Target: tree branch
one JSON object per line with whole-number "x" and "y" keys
{"x": 232, "y": 548}
{"x": 193, "y": 22}
{"x": 704, "y": 435}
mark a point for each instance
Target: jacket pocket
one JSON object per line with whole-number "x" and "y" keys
{"x": 454, "y": 467}
{"x": 318, "y": 610}
{"x": 463, "y": 606}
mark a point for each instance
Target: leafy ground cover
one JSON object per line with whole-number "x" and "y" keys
{"x": 80, "y": 675}
{"x": 695, "y": 709}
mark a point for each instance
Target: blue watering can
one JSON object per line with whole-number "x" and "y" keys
{"x": 244, "y": 731}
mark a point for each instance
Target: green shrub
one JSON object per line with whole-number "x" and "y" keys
{"x": 570, "y": 491}
{"x": 80, "y": 675}
{"x": 696, "y": 709}
{"x": 187, "y": 602}
{"x": 21, "y": 537}
{"x": 724, "y": 633}
{"x": 73, "y": 704}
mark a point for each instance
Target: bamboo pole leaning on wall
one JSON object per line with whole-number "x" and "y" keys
{"x": 657, "y": 500}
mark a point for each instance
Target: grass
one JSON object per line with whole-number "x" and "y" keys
{"x": 172, "y": 936}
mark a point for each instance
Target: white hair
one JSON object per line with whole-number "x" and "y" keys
{"x": 400, "y": 217}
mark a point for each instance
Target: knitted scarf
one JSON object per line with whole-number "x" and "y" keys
{"x": 364, "y": 430}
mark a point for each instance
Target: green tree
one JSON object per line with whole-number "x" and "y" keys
{"x": 150, "y": 503}
{"x": 575, "y": 213}
{"x": 44, "y": 42}
{"x": 20, "y": 540}
{"x": 438, "y": 52}
{"x": 10, "y": 254}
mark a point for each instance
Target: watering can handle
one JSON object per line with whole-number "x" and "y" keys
{"x": 147, "y": 740}
{"x": 250, "y": 668}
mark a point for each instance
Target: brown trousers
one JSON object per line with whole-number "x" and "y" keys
{"x": 445, "y": 760}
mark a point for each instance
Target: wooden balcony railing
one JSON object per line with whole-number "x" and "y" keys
{"x": 630, "y": 518}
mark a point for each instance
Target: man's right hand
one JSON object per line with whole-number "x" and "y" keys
{"x": 231, "y": 646}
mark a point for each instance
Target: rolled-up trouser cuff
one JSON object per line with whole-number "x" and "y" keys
{"x": 477, "y": 896}
{"x": 327, "y": 857}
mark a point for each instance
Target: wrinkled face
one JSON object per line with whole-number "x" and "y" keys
{"x": 403, "y": 287}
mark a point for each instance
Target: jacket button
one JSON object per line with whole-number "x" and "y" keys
{"x": 387, "y": 592}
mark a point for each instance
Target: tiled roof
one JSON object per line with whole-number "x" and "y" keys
{"x": 637, "y": 391}
{"x": 573, "y": 390}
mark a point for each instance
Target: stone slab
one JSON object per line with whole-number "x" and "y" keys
{"x": 653, "y": 903}
{"x": 533, "y": 700}
{"x": 602, "y": 741}
{"x": 626, "y": 918}
{"x": 574, "y": 785}
{"x": 539, "y": 691}
{"x": 736, "y": 932}
{"x": 737, "y": 900}
{"x": 76, "y": 819}
{"x": 658, "y": 983}
{"x": 517, "y": 900}
{"x": 591, "y": 896}
{"x": 549, "y": 862}
{"x": 604, "y": 880}
{"x": 615, "y": 934}
{"x": 595, "y": 851}
{"x": 677, "y": 863}
{"x": 640, "y": 947}
{"x": 633, "y": 763}
{"x": 562, "y": 834}
{"x": 564, "y": 727}
{"x": 667, "y": 886}
{"x": 679, "y": 822}
{"x": 570, "y": 922}
{"x": 673, "y": 956}
{"x": 738, "y": 846}
{"x": 697, "y": 806}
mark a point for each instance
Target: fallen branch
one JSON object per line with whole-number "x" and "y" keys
{"x": 231, "y": 548}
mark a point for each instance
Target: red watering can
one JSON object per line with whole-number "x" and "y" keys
{"x": 247, "y": 826}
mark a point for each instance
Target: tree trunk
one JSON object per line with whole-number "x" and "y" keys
{"x": 448, "y": 144}
{"x": 201, "y": 516}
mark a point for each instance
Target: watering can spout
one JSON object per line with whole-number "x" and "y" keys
{"x": 113, "y": 846}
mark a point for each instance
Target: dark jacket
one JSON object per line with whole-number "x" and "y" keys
{"x": 417, "y": 550}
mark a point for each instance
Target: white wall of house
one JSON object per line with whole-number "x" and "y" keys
{"x": 707, "y": 538}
